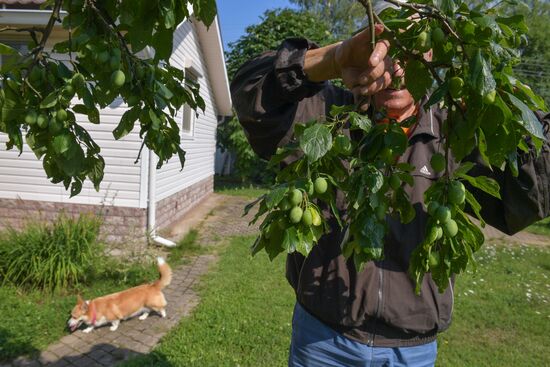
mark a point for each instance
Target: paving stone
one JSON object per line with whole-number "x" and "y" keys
{"x": 47, "y": 357}
{"x": 60, "y": 363}
{"x": 25, "y": 362}
{"x": 150, "y": 340}
{"x": 85, "y": 361}
{"x": 99, "y": 354}
{"x": 106, "y": 347}
{"x": 60, "y": 349}
{"x": 68, "y": 339}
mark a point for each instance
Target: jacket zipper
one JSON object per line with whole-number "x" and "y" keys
{"x": 379, "y": 303}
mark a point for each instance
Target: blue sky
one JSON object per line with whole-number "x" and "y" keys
{"x": 236, "y": 15}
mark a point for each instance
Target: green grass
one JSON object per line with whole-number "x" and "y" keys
{"x": 49, "y": 256}
{"x": 542, "y": 227}
{"x": 30, "y": 320}
{"x": 246, "y": 305}
{"x": 233, "y": 187}
{"x": 496, "y": 323}
{"x": 243, "y": 319}
{"x": 185, "y": 248}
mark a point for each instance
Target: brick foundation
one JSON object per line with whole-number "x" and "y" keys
{"x": 175, "y": 206}
{"x": 121, "y": 224}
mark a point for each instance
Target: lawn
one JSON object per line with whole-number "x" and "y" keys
{"x": 501, "y": 315}
{"x": 231, "y": 186}
{"x": 542, "y": 227}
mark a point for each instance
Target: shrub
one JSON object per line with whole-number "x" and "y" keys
{"x": 49, "y": 256}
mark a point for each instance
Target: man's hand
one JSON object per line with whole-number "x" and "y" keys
{"x": 364, "y": 71}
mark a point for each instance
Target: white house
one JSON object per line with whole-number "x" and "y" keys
{"x": 135, "y": 198}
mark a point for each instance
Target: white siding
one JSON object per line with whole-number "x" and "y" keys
{"x": 23, "y": 176}
{"x": 200, "y": 149}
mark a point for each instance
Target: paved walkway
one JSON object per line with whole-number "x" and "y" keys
{"x": 220, "y": 217}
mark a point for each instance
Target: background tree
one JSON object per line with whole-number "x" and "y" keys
{"x": 103, "y": 40}
{"x": 344, "y": 16}
{"x": 535, "y": 65}
{"x": 275, "y": 26}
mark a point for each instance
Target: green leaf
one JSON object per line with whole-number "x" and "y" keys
{"x": 437, "y": 95}
{"x": 481, "y": 77}
{"x": 372, "y": 239}
{"x": 404, "y": 206}
{"x": 49, "y": 101}
{"x": 163, "y": 91}
{"x": 76, "y": 188}
{"x": 93, "y": 115}
{"x": 476, "y": 207}
{"x": 528, "y": 119}
{"x": 360, "y": 121}
{"x": 205, "y": 10}
{"x": 464, "y": 168}
{"x": 61, "y": 143}
{"x": 95, "y": 173}
{"x": 162, "y": 43}
{"x": 80, "y": 108}
{"x": 316, "y": 141}
{"x": 418, "y": 79}
{"x": 181, "y": 156}
{"x": 251, "y": 205}
{"x": 7, "y": 50}
{"x": 275, "y": 196}
{"x": 339, "y": 110}
{"x": 484, "y": 183}
{"x": 126, "y": 123}
{"x": 446, "y": 6}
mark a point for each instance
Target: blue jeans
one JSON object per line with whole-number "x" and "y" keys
{"x": 316, "y": 345}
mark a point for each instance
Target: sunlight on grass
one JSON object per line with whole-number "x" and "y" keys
{"x": 246, "y": 308}
{"x": 244, "y": 318}
{"x": 542, "y": 227}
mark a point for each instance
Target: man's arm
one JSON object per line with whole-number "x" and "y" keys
{"x": 268, "y": 91}
{"x": 525, "y": 198}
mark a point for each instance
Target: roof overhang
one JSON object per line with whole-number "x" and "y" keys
{"x": 212, "y": 47}
{"x": 26, "y": 17}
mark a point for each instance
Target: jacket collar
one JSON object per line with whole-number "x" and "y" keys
{"x": 428, "y": 121}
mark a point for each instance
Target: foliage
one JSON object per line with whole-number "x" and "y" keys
{"x": 38, "y": 96}
{"x": 535, "y": 65}
{"x": 49, "y": 256}
{"x": 248, "y": 166}
{"x": 490, "y": 111}
{"x": 344, "y": 16}
{"x": 235, "y": 187}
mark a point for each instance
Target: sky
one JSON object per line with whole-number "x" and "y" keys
{"x": 236, "y": 15}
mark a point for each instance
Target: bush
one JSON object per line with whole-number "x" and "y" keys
{"x": 49, "y": 256}
{"x": 248, "y": 165}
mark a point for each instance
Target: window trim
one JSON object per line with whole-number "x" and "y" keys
{"x": 186, "y": 110}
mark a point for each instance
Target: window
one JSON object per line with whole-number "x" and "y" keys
{"x": 189, "y": 115}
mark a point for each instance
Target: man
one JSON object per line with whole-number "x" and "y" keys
{"x": 345, "y": 318}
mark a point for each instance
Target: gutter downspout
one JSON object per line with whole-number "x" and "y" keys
{"x": 152, "y": 190}
{"x": 152, "y": 204}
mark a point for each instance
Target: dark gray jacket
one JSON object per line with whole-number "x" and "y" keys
{"x": 377, "y": 306}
